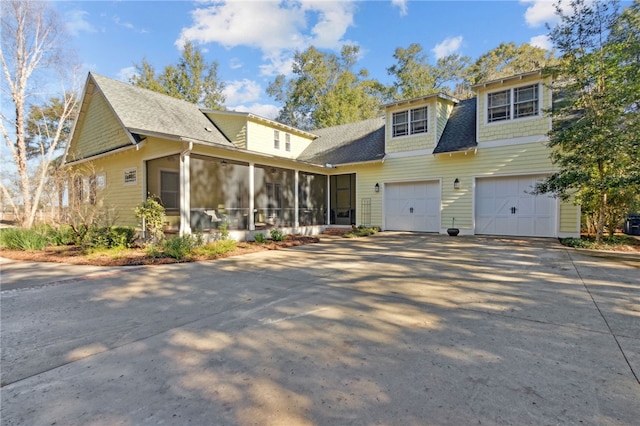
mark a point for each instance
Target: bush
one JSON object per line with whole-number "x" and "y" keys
{"x": 109, "y": 237}
{"x": 361, "y": 231}
{"x": 216, "y": 248}
{"x": 278, "y": 235}
{"x": 180, "y": 248}
{"x": 260, "y": 238}
{"x": 22, "y": 239}
{"x": 151, "y": 213}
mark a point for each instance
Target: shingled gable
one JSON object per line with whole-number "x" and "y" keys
{"x": 143, "y": 112}
{"x": 460, "y": 132}
{"x": 358, "y": 142}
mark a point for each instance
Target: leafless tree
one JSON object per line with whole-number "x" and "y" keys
{"x": 34, "y": 61}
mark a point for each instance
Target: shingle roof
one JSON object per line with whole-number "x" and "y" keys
{"x": 349, "y": 143}
{"x": 143, "y": 111}
{"x": 460, "y": 132}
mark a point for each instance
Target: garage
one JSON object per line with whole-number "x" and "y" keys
{"x": 413, "y": 206}
{"x": 505, "y": 206}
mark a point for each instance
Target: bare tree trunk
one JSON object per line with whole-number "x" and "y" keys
{"x": 30, "y": 41}
{"x": 601, "y": 218}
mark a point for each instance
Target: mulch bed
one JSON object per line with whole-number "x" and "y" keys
{"x": 138, "y": 256}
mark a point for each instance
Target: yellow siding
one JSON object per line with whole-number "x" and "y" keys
{"x": 444, "y": 111}
{"x": 234, "y": 128}
{"x": 515, "y": 128}
{"x": 261, "y": 140}
{"x": 412, "y": 143}
{"x": 99, "y": 132}
{"x": 569, "y": 217}
{"x": 509, "y": 160}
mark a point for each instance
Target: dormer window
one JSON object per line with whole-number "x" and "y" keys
{"x": 513, "y": 103}
{"x": 410, "y": 122}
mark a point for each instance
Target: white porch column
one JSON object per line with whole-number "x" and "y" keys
{"x": 185, "y": 192}
{"x": 328, "y": 200}
{"x": 296, "y": 199}
{"x": 252, "y": 203}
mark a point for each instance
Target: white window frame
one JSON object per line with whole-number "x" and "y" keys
{"x": 513, "y": 105}
{"x": 405, "y": 123}
{"x": 287, "y": 142}
{"x": 130, "y": 176}
{"x": 101, "y": 180}
{"x": 276, "y": 139}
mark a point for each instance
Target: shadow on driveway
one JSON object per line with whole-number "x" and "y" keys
{"x": 393, "y": 329}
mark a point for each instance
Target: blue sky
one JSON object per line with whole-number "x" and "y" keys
{"x": 253, "y": 41}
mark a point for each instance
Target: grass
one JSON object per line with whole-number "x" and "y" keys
{"x": 616, "y": 242}
{"x": 361, "y": 231}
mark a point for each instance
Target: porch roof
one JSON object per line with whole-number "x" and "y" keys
{"x": 349, "y": 143}
{"x": 149, "y": 113}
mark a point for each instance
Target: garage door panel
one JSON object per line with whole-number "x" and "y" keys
{"x": 413, "y": 206}
{"x": 506, "y": 206}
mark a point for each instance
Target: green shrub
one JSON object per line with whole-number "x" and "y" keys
{"x": 216, "y": 248}
{"x": 109, "y": 237}
{"x": 22, "y": 239}
{"x": 151, "y": 214}
{"x": 61, "y": 236}
{"x": 179, "y": 248}
{"x": 260, "y": 238}
{"x": 277, "y": 235}
{"x": 362, "y": 231}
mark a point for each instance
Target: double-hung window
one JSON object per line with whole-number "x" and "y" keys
{"x": 513, "y": 103}
{"x": 276, "y": 139}
{"x": 287, "y": 142}
{"x": 410, "y": 122}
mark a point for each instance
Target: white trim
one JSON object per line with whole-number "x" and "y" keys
{"x": 514, "y": 141}
{"x": 511, "y": 118}
{"x": 409, "y": 112}
{"x": 404, "y": 154}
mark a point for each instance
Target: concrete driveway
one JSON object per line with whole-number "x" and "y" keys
{"x": 404, "y": 329}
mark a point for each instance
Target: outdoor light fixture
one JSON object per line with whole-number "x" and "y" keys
{"x": 456, "y": 184}
{"x": 377, "y": 187}
{"x": 223, "y": 163}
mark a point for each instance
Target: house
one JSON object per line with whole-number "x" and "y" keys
{"x": 427, "y": 164}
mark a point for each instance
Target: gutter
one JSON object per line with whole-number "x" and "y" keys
{"x": 137, "y": 147}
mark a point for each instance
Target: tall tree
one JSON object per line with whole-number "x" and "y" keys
{"x": 594, "y": 138}
{"x": 191, "y": 79}
{"x": 325, "y": 91}
{"x": 33, "y": 45}
{"x": 506, "y": 60}
{"x": 415, "y": 76}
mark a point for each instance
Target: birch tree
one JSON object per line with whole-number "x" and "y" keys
{"x": 33, "y": 63}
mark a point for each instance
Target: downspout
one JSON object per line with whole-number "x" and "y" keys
{"x": 185, "y": 190}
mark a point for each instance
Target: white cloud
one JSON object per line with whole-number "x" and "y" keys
{"x": 126, "y": 73}
{"x": 77, "y": 23}
{"x": 541, "y": 12}
{"x": 241, "y": 91}
{"x": 402, "y": 5}
{"x": 273, "y": 27}
{"x": 447, "y": 47}
{"x": 541, "y": 41}
{"x": 263, "y": 110}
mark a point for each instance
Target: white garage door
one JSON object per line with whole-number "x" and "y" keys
{"x": 504, "y": 206}
{"x": 413, "y": 206}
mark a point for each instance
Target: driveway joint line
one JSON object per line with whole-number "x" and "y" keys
{"x": 615, "y": 338}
